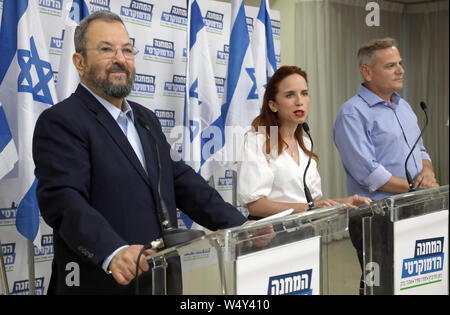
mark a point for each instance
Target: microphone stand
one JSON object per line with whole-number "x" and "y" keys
{"x": 170, "y": 236}
{"x": 408, "y": 175}
{"x": 307, "y": 192}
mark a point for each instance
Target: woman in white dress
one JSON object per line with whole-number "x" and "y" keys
{"x": 275, "y": 153}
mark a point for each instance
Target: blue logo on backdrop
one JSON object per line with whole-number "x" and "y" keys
{"x": 296, "y": 283}
{"x": 22, "y": 287}
{"x": 98, "y": 5}
{"x": 166, "y": 117}
{"x": 249, "y": 21}
{"x": 223, "y": 55}
{"x": 176, "y": 88}
{"x": 213, "y": 22}
{"x": 176, "y": 18}
{"x": 28, "y": 60}
{"x": 138, "y": 11}
{"x": 56, "y": 44}
{"x": 428, "y": 257}
{"x": 8, "y": 215}
{"x": 226, "y": 182}
{"x": 144, "y": 86}
{"x": 161, "y": 51}
{"x": 53, "y": 7}
{"x": 9, "y": 255}
{"x": 275, "y": 28}
{"x": 220, "y": 84}
{"x": 46, "y": 250}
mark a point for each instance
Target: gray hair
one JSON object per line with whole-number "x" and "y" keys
{"x": 366, "y": 52}
{"x": 81, "y": 29}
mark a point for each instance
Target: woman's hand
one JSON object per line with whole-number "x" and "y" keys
{"x": 326, "y": 203}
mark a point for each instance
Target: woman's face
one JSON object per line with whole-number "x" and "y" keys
{"x": 292, "y": 101}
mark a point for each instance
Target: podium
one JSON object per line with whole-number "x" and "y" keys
{"x": 305, "y": 253}
{"x": 403, "y": 240}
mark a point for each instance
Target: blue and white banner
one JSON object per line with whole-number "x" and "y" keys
{"x": 8, "y": 152}
{"x": 202, "y": 104}
{"x": 263, "y": 49}
{"x": 27, "y": 89}
{"x": 68, "y": 77}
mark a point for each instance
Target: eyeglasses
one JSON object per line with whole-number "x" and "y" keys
{"x": 107, "y": 52}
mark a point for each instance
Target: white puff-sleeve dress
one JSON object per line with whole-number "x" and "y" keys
{"x": 276, "y": 178}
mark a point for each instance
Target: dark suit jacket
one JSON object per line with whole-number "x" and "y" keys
{"x": 94, "y": 193}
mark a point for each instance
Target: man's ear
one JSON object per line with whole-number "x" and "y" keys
{"x": 78, "y": 62}
{"x": 366, "y": 72}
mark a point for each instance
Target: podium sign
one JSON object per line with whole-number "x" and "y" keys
{"x": 421, "y": 254}
{"x": 291, "y": 269}
{"x": 405, "y": 243}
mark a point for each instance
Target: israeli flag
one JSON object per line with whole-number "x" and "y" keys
{"x": 8, "y": 152}
{"x": 68, "y": 78}
{"x": 202, "y": 102}
{"x": 241, "y": 94}
{"x": 27, "y": 89}
{"x": 263, "y": 48}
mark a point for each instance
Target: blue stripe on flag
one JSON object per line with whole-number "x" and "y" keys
{"x": 5, "y": 133}
{"x": 196, "y": 23}
{"x": 78, "y": 11}
{"x": 264, "y": 17}
{"x": 12, "y": 12}
{"x": 239, "y": 42}
{"x": 27, "y": 218}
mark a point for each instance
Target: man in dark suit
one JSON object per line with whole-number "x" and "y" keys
{"x": 97, "y": 171}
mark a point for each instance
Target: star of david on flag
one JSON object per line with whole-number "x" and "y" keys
{"x": 27, "y": 88}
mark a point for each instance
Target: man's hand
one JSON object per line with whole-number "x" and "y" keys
{"x": 426, "y": 178}
{"x": 355, "y": 200}
{"x": 123, "y": 265}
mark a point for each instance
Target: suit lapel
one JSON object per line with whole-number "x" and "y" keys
{"x": 111, "y": 126}
{"x": 148, "y": 145}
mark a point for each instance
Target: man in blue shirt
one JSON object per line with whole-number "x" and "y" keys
{"x": 376, "y": 129}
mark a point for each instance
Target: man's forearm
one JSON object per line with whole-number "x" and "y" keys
{"x": 395, "y": 185}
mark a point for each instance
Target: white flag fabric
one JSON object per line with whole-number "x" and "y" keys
{"x": 8, "y": 152}
{"x": 263, "y": 49}
{"x": 68, "y": 77}
{"x": 202, "y": 104}
{"x": 27, "y": 89}
{"x": 241, "y": 94}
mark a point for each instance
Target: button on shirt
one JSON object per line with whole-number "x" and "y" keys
{"x": 374, "y": 139}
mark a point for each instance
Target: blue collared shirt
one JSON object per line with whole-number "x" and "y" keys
{"x": 374, "y": 139}
{"x": 125, "y": 120}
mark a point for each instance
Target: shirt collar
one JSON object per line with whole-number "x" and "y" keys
{"x": 372, "y": 99}
{"x": 113, "y": 110}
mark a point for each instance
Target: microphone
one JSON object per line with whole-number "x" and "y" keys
{"x": 408, "y": 175}
{"x": 170, "y": 236}
{"x": 307, "y": 192}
